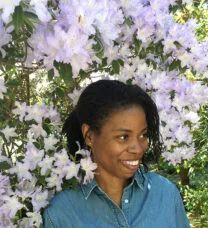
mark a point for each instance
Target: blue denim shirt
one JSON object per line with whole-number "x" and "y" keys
{"x": 149, "y": 201}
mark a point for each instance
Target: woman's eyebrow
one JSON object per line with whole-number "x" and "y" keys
{"x": 128, "y": 130}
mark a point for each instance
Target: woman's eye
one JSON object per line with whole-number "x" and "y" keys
{"x": 144, "y": 136}
{"x": 123, "y": 137}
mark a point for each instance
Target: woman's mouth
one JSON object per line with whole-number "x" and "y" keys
{"x": 132, "y": 165}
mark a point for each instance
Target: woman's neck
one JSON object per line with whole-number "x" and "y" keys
{"x": 113, "y": 187}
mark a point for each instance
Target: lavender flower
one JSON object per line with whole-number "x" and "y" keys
{"x": 8, "y": 8}
{"x": 2, "y": 86}
{"x": 9, "y": 132}
{"x": 39, "y": 199}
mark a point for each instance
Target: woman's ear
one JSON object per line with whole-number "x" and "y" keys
{"x": 87, "y": 134}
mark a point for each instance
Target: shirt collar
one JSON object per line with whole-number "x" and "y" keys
{"x": 88, "y": 188}
{"x": 139, "y": 179}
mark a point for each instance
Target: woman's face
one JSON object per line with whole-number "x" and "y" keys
{"x": 122, "y": 141}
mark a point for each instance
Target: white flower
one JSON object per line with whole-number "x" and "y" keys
{"x": 22, "y": 170}
{"x": 37, "y": 131}
{"x": 187, "y": 152}
{"x": 50, "y": 142}
{"x": 111, "y": 52}
{"x": 193, "y": 117}
{"x": 179, "y": 154}
{"x": 88, "y": 166}
{"x": 13, "y": 204}
{"x": 61, "y": 158}
{"x": 46, "y": 164}
{"x": 39, "y": 199}
{"x": 27, "y": 185}
{"x": 71, "y": 170}
{"x": 54, "y": 116}
{"x": 5, "y": 187}
{"x": 33, "y": 156}
{"x": 183, "y": 134}
{"x": 54, "y": 181}
{"x": 23, "y": 193}
{"x": 36, "y": 112}
{"x": 3, "y": 89}
{"x": 83, "y": 152}
{"x": 41, "y": 10}
{"x": 75, "y": 95}
{"x": 9, "y": 132}
{"x": 20, "y": 110}
{"x": 35, "y": 219}
{"x": 4, "y": 158}
{"x": 173, "y": 158}
{"x": 5, "y": 220}
{"x": 8, "y": 8}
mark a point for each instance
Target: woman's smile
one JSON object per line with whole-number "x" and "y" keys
{"x": 131, "y": 165}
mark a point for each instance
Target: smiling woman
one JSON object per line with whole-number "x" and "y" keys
{"x": 119, "y": 123}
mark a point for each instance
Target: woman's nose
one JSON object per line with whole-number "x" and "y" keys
{"x": 134, "y": 147}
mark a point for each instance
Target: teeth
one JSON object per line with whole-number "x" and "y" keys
{"x": 132, "y": 162}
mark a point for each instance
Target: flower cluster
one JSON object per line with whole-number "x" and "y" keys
{"x": 68, "y": 39}
{"x": 136, "y": 41}
{"x": 39, "y": 6}
{"x": 38, "y": 171}
{"x": 3, "y": 88}
{"x": 5, "y": 38}
{"x": 79, "y": 26}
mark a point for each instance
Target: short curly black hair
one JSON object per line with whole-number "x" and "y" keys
{"x": 99, "y": 100}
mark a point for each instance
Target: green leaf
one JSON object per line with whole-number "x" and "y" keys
{"x": 129, "y": 22}
{"x": 20, "y": 158}
{"x": 4, "y": 166}
{"x": 9, "y": 24}
{"x": 47, "y": 127}
{"x": 137, "y": 44}
{"x": 98, "y": 48}
{"x": 29, "y": 19}
{"x": 17, "y": 19}
{"x": 71, "y": 183}
{"x": 13, "y": 82}
{"x": 50, "y": 74}
{"x": 177, "y": 44}
{"x": 29, "y": 23}
{"x": 116, "y": 66}
{"x": 65, "y": 71}
{"x": 31, "y": 15}
{"x": 174, "y": 65}
{"x": 48, "y": 173}
{"x": 60, "y": 92}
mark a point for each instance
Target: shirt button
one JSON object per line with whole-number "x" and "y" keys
{"x": 126, "y": 200}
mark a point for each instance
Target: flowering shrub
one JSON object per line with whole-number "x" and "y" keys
{"x": 135, "y": 41}
{"x": 45, "y": 168}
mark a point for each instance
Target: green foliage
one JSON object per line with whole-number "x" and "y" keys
{"x": 17, "y": 18}
{"x": 196, "y": 195}
{"x": 116, "y": 66}
{"x": 65, "y": 71}
{"x": 68, "y": 184}
{"x": 4, "y": 166}
{"x": 198, "y": 11}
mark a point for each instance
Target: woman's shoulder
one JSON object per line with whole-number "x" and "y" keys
{"x": 61, "y": 203}
{"x": 159, "y": 182}
{"x": 66, "y": 196}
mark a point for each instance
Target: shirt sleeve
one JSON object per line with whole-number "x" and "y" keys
{"x": 47, "y": 222}
{"x": 181, "y": 217}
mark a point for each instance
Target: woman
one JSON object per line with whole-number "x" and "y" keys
{"x": 119, "y": 123}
